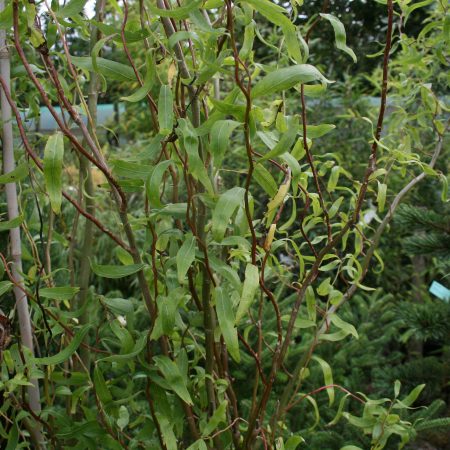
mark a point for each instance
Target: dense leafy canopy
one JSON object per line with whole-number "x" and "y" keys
{"x": 224, "y": 264}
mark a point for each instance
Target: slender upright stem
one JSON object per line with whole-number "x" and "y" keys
{"x": 23, "y": 313}
{"x": 87, "y": 183}
{"x": 208, "y": 310}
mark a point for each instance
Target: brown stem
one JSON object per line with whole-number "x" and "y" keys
{"x": 207, "y": 279}
{"x": 310, "y": 158}
{"x": 86, "y": 181}
{"x": 246, "y": 90}
{"x": 373, "y": 155}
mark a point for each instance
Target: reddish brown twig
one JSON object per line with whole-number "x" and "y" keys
{"x": 255, "y": 357}
{"x": 373, "y": 155}
{"x": 316, "y": 391}
{"x": 246, "y": 90}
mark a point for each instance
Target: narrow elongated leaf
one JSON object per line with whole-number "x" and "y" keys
{"x": 316, "y": 131}
{"x": 276, "y": 15}
{"x": 229, "y": 107}
{"x": 153, "y": 183}
{"x": 249, "y": 37}
{"x": 173, "y": 376}
{"x": 92, "y": 426}
{"x": 185, "y": 257}
{"x": 109, "y": 271}
{"x": 141, "y": 92}
{"x": 286, "y": 78}
{"x": 324, "y": 287}
{"x": 170, "y": 440}
{"x": 251, "y": 284}
{"x": 9, "y": 224}
{"x": 316, "y": 411}
{"x": 185, "y": 36}
{"x": 293, "y": 164}
{"x": 72, "y": 8}
{"x": 135, "y": 171}
{"x": 6, "y": 19}
{"x": 219, "y": 416}
{"x": 199, "y": 444}
{"x": 149, "y": 80}
{"x": 101, "y": 389}
{"x": 220, "y": 135}
{"x": 130, "y": 36}
{"x": 165, "y": 110}
{"x": 334, "y": 337}
{"x": 110, "y": 69}
{"x": 264, "y": 178}
{"x": 340, "y": 36}
{"x": 227, "y": 320}
{"x": 118, "y": 305}
{"x": 343, "y": 325}
{"x": 53, "y": 163}
{"x": 311, "y": 303}
{"x": 225, "y": 271}
{"x": 124, "y": 417}
{"x": 13, "y": 437}
{"x": 95, "y": 52}
{"x": 225, "y": 208}
{"x": 167, "y": 307}
{"x": 335, "y": 207}
{"x": 138, "y": 347}
{"x": 19, "y": 173}
{"x": 67, "y": 352}
{"x": 334, "y": 178}
{"x": 176, "y": 13}
{"x": 292, "y": 42}
{"x": 340, "y": 410}
{"x": 176, "y": 210}
{"x": 304, "y": 323}
{"x": 381, "y": 195}
{"x": 271, "y": 11}
{"x": 191, "y": 145}
{"x": 275, "y": 202}
{"x": 59, "y": 293}
{"x": 285, "y": 143}
{"x": 293, "y": 442}
{"x": 5, "y": 286}
{"x": 327, "y": 377}
{"x": 412, "y": 396}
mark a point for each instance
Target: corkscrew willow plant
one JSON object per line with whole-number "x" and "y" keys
{"x": 224, "y": 241}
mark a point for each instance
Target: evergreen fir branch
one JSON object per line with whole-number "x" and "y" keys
{"x": 422, "y": 219}
{"x": 434, "y": 423}
{"x": 431, "y": 243}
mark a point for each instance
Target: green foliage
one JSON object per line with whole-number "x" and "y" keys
{"x": 197, "y": 285}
